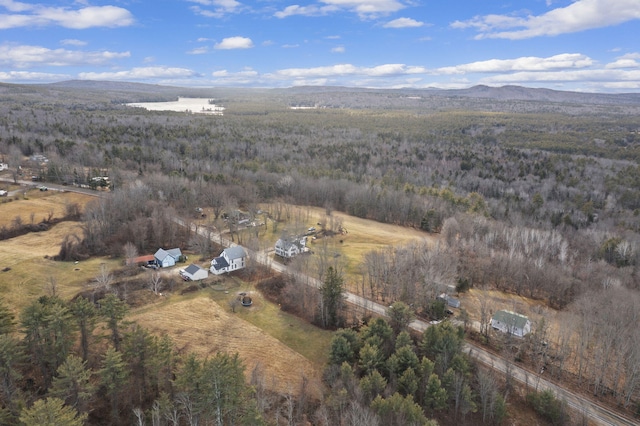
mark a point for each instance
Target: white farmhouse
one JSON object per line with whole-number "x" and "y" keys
{"x": 511, "y": 323}
{"x": 231, "y": 259}
{"x": 289, "y": 247}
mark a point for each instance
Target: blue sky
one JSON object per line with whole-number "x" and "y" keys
{"x": 582, "y": 45}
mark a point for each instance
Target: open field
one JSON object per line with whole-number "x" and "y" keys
{"x": 361, "y": 236}
{"x": 198, "y": 324}
{"x": 26, "y": 269}
{"x": 40, "y": 204}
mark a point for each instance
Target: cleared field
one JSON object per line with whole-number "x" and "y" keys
{"x": 361, "y": 235}
{"x": 201, "y": 325}
{"x": 39, "y": 204}
{"x": 26, "y": 272}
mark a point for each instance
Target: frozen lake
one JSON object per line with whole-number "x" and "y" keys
{"x": 192, "y": 105}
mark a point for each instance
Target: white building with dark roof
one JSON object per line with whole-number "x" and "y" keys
{"x": 194, "y": 273}
{"x": 231, "y": 259}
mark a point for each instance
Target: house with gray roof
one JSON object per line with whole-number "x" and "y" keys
{"x": 289, "y": 247}
{"x": 167, "y": 258}
{"x": 511, "y": 323}
{"x": 231, "y": 259}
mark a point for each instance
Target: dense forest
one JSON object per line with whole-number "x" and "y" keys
{"x": 536, "y": 195}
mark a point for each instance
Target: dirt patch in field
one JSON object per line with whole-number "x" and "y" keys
{"x": 39, "y": 206}
{"x": 202, "y": 326}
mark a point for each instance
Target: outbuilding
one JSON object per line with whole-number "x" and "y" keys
{"x": 194, "y": 273}
{"x": 167, "y": 258}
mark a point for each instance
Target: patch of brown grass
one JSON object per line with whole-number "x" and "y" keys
{"x": 40, "y": 205}
{"x": 200, "y": 325}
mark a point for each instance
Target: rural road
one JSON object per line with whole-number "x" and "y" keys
{"x": 588, "y": 409}
{"x": 585, "y": 407}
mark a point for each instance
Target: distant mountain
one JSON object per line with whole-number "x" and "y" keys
{"x": 503, "y": 93}
{"x": 541, "y": 95}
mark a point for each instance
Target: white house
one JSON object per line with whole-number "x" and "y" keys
{"x": 511, "y": 323}
{"x": 194, "y": 273}
{"x": 289, "y": 247}
{"x": 231, "y": 259}
{"x": 167, "y": 258}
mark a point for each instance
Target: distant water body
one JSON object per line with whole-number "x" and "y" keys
{"x": 190, "y": 105}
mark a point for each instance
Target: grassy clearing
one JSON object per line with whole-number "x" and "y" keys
{"x": 362, "y": 235}
{"x": 310, "y": 341}
{"x": 38, "y": 205}
{"x": 26, "y": 269}
{"x": 198, "y": 323}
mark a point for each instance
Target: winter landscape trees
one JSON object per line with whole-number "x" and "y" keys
{"x": 532, "y": 198}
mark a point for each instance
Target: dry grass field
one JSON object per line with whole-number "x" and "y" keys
{"x": 26, "y": 270}
{"x": 39, "y": 205}
{"x": 361, "y": 236}
{"x": 199, "y": 324}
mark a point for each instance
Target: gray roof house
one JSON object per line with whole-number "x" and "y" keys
{"x": 231, "y": 259}
{"x": 289, "y": 247}
{"x": 167, "y": 258}
{"x": 511, "y": 323}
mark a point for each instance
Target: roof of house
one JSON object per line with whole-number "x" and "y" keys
{"x": 192, "y": 269}
{"x": 236, "y": 252}
{"x": 175, "y": 253}
{"x": 219, "y": 263}
{"x": 161, "y": 254}
{"x": 286, "y": 243}
{"x": 511, "y": 318}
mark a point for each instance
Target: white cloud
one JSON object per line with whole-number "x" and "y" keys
{"x": 601, "y": 76}
{"x": 349, "y": 70}
{"x": 290, "y": 46}
{"x": 220, "y": 7}
{"x": 234, "y": 43}
{"x": 312, "y": 10}
{"x": 527, "y": 63}
{"x": 28, "y": 76}
{"x": 37, "y": 15}
{"x": 338, "y": 49}
{"x": 366, "y": 9}
{"x": 24, "y": 56}
{"x": 629, "y": 60}
{"x": 198, "y": 51}
{"x": 248, "y": 76}
{"x": 142, "y": 73}
{"x": 403, "y": 23}
{"x": 580, "y": 15}
{"x": 73, "y": 42}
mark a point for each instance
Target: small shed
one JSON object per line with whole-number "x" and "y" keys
{"x": 194, "y": 273}
{"x": 511, "y": 323}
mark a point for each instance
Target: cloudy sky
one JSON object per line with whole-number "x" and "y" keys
{"x": 584, "y": 45}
